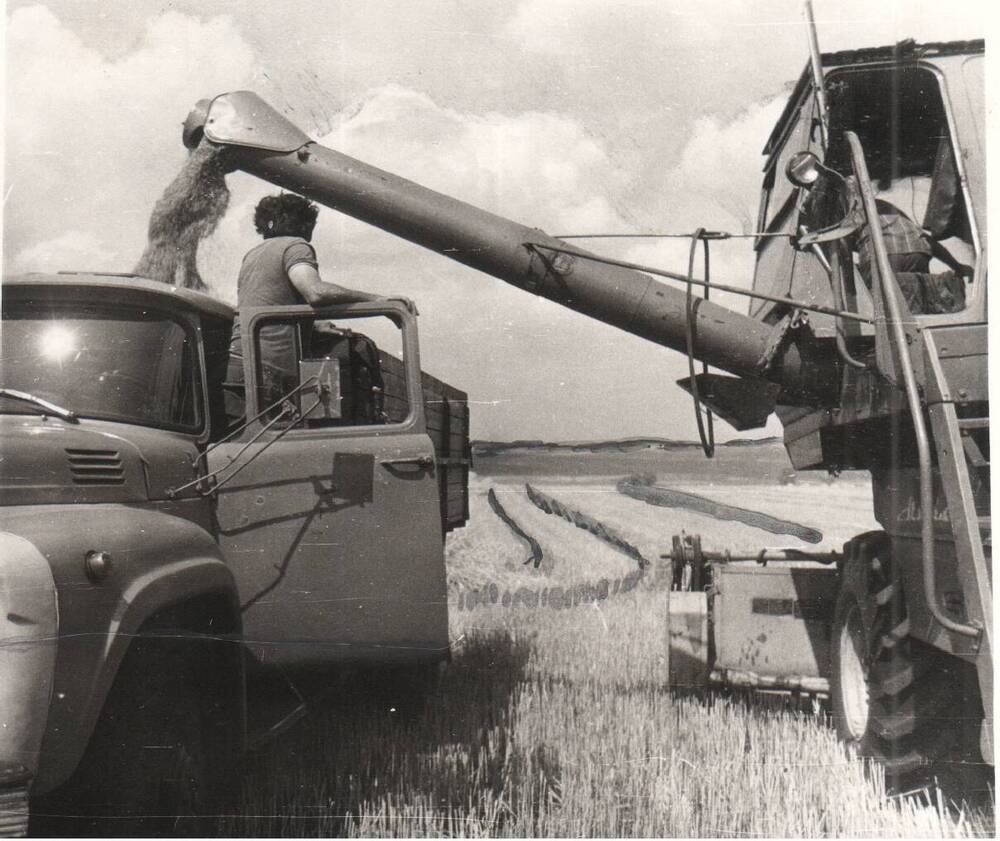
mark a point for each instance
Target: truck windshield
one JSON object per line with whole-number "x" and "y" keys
{"x": 137, "y": 367}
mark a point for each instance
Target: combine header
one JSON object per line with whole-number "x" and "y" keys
{"x": 887, "y": 375}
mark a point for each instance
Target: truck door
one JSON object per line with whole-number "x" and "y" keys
{"x": 327, "y": 503}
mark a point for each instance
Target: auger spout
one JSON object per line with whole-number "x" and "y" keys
{"x": 262, "y": 142}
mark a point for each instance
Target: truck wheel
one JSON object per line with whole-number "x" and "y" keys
{"x": 894, "y": 700}
{"x": 162, "y": 755}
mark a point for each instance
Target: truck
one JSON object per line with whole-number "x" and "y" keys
{"x": 163, "y": 573}
{"x": 896, "y": 628}
{"x": 868, "y": 365}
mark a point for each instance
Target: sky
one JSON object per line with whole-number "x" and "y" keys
{"x": 574, "y": 116}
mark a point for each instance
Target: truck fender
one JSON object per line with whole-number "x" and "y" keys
{"x": 195, "y": 594}
{"x": 28, "y": 641}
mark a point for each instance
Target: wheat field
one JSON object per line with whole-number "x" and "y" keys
{"x": 554, "y": 720}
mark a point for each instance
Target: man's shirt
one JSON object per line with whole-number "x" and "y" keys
{"x": 901, "y": 234}
{"x": 263, "y": 282}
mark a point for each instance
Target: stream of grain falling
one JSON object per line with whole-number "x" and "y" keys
{"x": 188, "y": 211}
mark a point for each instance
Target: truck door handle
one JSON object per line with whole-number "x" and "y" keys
{"x": 418, "y": 461}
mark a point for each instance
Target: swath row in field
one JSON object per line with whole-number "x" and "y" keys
{"x": 550, "y": 505}
{"x": 670, "y": 498}
{"x": 557, "y": 597}
{"x": 536, "y": 555}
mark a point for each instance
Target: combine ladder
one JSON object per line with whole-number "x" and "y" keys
{"x": 964, "y": 466}
{"x": 960, "y": 458}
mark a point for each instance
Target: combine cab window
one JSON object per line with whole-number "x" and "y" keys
{"x": 356, "y": 360}
{"x": 922, "y": 174}
{"x": 899, "y": 115}
{"x": 102, "y": 363}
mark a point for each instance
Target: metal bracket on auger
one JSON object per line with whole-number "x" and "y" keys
{"x": 791, "y": 326}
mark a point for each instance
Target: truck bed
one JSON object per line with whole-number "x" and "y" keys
{"x": 446, "y": 410}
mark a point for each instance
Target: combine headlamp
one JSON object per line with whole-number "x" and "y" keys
{"x": 803, "y": 169}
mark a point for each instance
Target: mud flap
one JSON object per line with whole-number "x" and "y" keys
{"x": 688, "y": 649}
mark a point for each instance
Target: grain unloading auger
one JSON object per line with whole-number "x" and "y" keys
{"x": 262, "y": 142}
{"x": 899, "y": 628}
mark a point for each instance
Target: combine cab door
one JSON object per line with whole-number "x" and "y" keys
{"x": 331, "y": 524}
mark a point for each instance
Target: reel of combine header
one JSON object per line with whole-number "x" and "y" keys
{"x": 688, "y": 656}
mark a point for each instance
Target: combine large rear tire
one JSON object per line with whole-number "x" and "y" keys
{"x": 894, "y": 699}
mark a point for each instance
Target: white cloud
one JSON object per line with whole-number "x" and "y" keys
{"x": 90, "y": 142}
{"x": 575, "y": 27}
{"x": 539, "y": 168}
{"x": 73, "y": 249}
{"x": 715, "y": 184}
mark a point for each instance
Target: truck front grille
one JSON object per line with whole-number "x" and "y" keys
{"x": 96, "y": 467}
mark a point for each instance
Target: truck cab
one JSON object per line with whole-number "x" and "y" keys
{"x": 145, "y": 536}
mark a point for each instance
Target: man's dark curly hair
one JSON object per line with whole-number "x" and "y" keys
{"x": 285, "y": 215}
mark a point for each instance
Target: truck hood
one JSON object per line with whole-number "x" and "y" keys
{"x": 46, "y": 460}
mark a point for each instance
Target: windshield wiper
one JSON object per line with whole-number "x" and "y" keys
{"x": 50, "y": 408}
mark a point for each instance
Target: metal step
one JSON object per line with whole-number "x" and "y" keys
{"x": 973, "y": 443}
{"x": 974, "y": 455}
{"x": 973, "y": 423}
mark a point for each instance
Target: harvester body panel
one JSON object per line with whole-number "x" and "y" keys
{"x": 773, "y": 622}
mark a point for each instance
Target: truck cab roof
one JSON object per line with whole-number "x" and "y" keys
{"x": 113, "y": 287}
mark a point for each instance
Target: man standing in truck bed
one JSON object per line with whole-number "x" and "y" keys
{"x": 282, "y": 270}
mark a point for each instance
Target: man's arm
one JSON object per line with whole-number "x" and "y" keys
{"x": 946, "y": 257}
{"x": 852, "y": 221}
{"x": 317, "y": 292}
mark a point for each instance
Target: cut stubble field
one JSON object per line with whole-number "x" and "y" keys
{"x": 555, "y": 719}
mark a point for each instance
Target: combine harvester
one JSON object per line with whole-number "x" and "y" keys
{"x": 888, "y": 375}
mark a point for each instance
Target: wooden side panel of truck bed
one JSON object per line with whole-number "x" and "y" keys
{"x": 446, "y": 410}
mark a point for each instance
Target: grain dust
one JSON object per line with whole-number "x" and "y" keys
{"x": 189, "y": 210}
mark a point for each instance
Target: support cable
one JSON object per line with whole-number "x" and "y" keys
{"x": 705, "y": 235}
{"x": 722, "y": 287}
{"x": 288, "y": 410}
